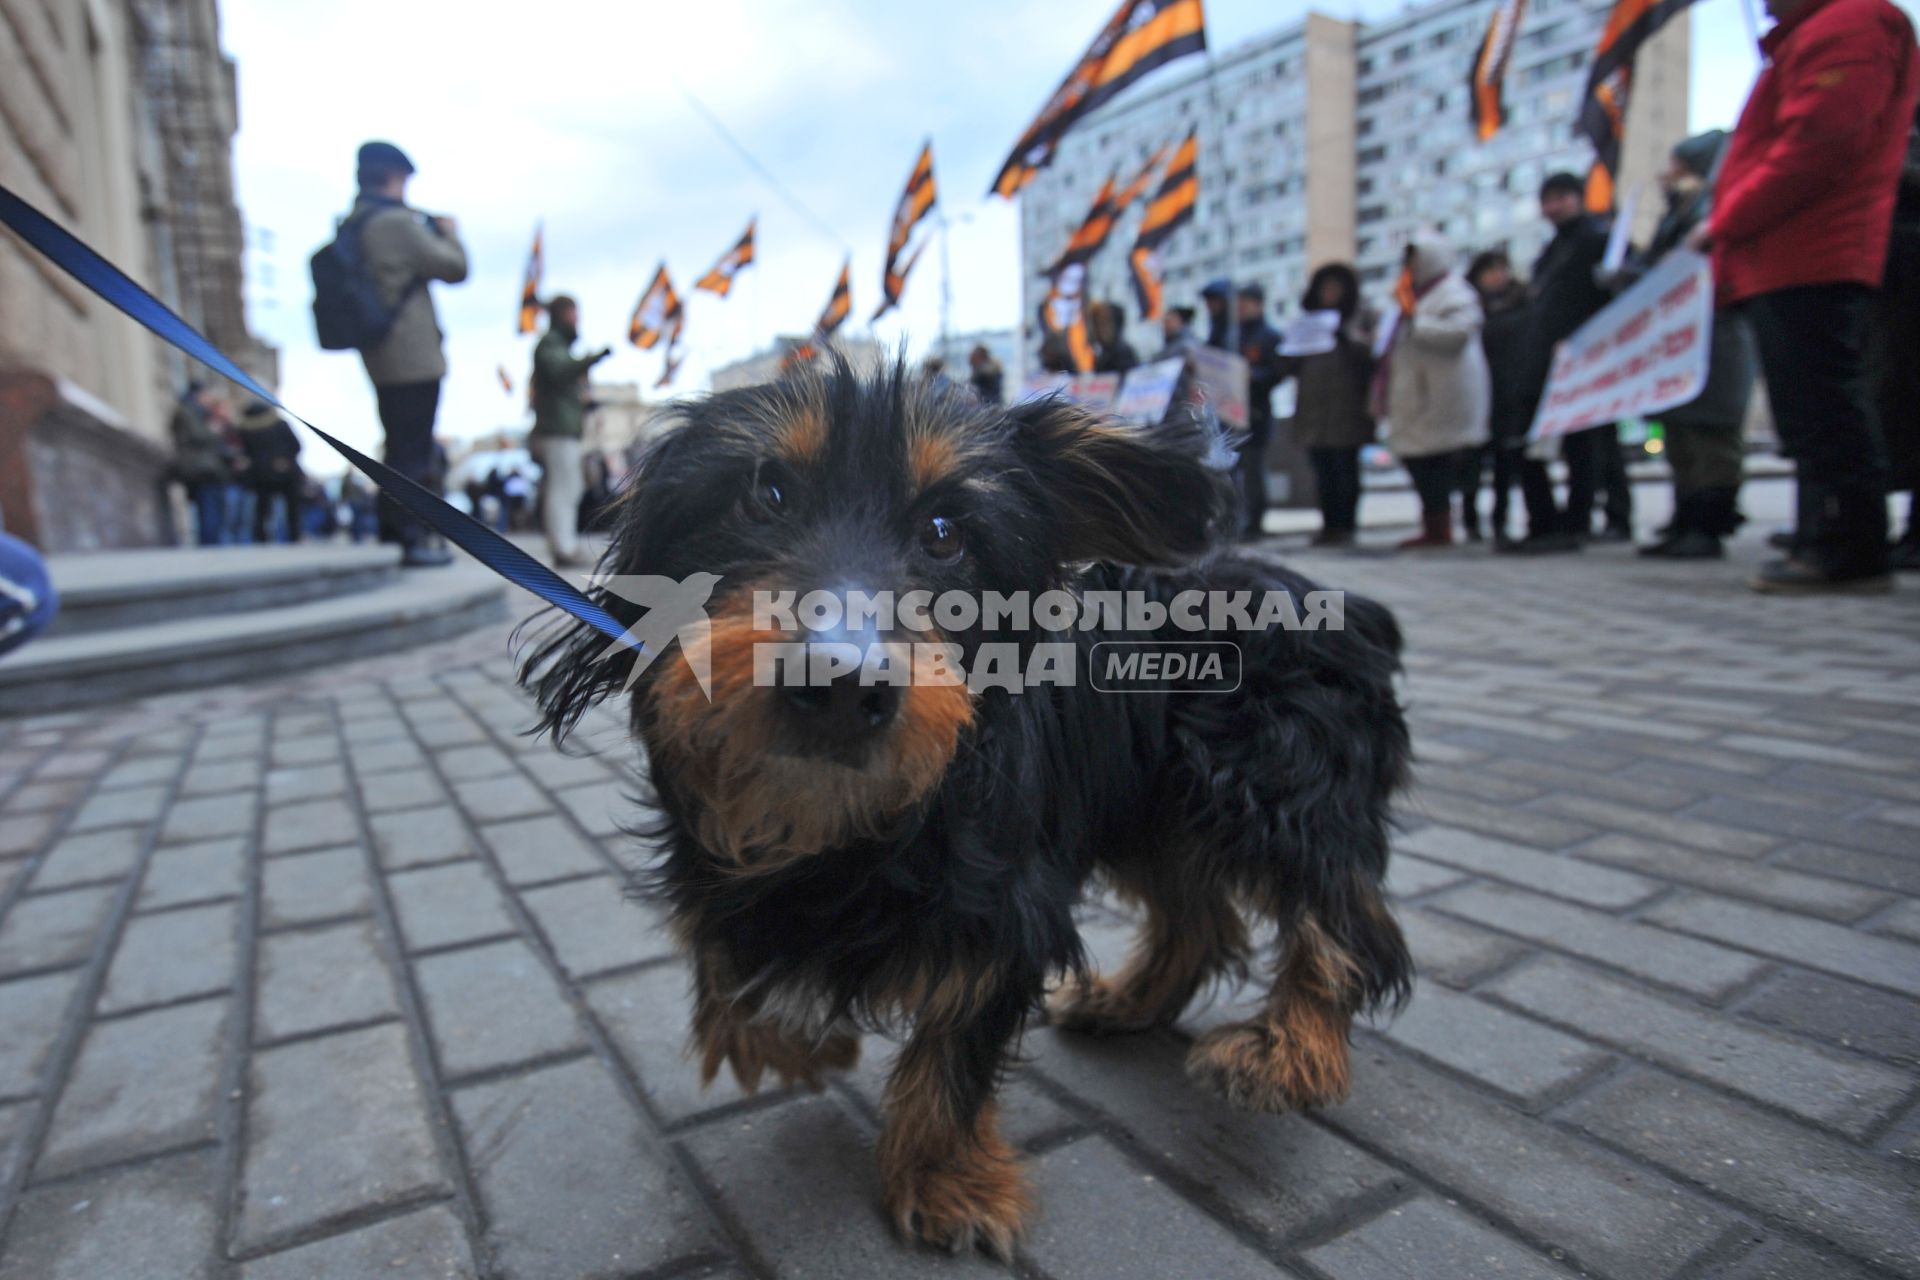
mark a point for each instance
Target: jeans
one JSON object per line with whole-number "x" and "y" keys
{"x": 239, "y": 510}
{"x": 1812, "y": 342}
{"x": 406, "y": 415}
{"x": 288, "y": 491}
{"x": 209, "y": 501}
{"x": 1336, "y": 475}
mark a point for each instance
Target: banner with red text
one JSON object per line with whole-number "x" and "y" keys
{"x": 1647, "y": 350}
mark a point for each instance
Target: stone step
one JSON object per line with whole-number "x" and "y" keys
{"x": 104, "y": 590}
{"x": 412, "y": 607}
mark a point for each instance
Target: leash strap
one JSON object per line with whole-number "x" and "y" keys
{"x": 483, "y": 544}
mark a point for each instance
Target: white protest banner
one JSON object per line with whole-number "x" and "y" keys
{"x": 1147, "y": 391}
{"x": 1040, "y": 385}
{"x": 1311, "y": 333}
{"x": 1221, "y": 376}
{"x": 1645, "y": 351}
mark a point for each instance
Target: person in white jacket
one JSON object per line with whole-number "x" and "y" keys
{"x": 1439, "y": 395}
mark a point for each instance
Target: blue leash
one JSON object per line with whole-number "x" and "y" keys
{"x": 478, "y": 541}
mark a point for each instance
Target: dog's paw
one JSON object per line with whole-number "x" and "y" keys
{"x": 1099, "y": 1007}
{"x": 1258, "y": 1067}
{"x": 753, "y": 1049}
{"x": 979, "y": 1200}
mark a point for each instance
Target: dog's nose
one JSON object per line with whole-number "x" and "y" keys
{"x": 842, "y": 701}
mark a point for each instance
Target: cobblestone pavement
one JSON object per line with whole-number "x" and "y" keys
{"x": 333, "y": 977}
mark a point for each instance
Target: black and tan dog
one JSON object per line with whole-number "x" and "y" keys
{"x": 866, "y": 854}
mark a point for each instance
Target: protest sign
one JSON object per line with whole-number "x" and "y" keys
{"x": 1147, "y": 391}
{"x": 1312, "y": 333}
{"x": 1221, "y": 377}
{"x": 1094, "y": 390}
{"x": 1645, "y": 351}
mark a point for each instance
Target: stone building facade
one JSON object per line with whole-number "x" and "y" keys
{"x": 116, "y": 119}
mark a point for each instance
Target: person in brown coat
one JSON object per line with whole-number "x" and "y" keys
{"x": 1330, "y": 420}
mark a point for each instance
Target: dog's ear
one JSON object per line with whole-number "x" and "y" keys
{"x": 1145, "y": 495}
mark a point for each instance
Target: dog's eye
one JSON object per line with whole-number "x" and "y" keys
{"x": 765, "y": 502}
{"x": 940, "y": 538}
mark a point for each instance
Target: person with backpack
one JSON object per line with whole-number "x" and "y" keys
{"x": 370, "y": 293}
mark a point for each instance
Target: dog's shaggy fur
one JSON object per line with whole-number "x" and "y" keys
{"x": 924, "y": 879}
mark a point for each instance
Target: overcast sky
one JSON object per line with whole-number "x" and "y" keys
{"x": 571, "y": 114}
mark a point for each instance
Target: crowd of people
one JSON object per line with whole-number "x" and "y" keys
{"x": 1810, "y": 211}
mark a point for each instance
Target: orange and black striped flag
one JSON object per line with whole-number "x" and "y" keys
{"x": 1141, "y": 36}
{"x": 1063, "y": 314}
{"x": 1108, "y": 208}
{"x": 839, "y": 304}
{"x": 530, "y": 286}
{"x": 657, "y": 313}
{"x": 732, "y": 263}
{"x": 1603, "y": 110}
{"x": 1486, "y": 84}
{"x": 916, "y": 202}
{"x": 1171, "y": 208}
{"x": 675, "y": 358}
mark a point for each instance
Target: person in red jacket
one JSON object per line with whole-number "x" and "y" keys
{"x": 1799, "y": 234}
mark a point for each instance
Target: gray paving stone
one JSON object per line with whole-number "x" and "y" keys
{"x": 1518, "y": 1056}
{"x": 494, "y": 1005}
{"x": 14, "y": 1117}
{"x": 172, "y": 956}
{"x": 1779, "y": 748}
{"x": 1857, "y": 1200}
{"x": 1785, "y": 822}
{"x": 207, "y": 817}
{"x": 1697, "y": 967}
{"x": 573, "y": 1182}
{"x": 22, "y": 833}
{"x": 309, "y": 750}
{"x": 308, "y": 824}
{"x": 155, "y": 1221}
{"x": 494, "y": 799}
{"x": 1814, "y": 895}
{"x": 1281, "y": 1175}
{"x": 401, "y": 789}
{"x": 140, "y": 770}
{"x": 74, "y": 764}
{"x": 415, "y": 836}
{"x": 593, "y": 928}
{"x": 449, "y": 731}
{"x": 52, "y": 928}
{"x": 1881, "y": 962}
{"x": 314, "y": 886}
{"x": 1902, "y": 875}
{"x": 602, "y": 808}
{"x": 12, "y": 869}
{"x": 136, "y": 806}
{"x": 59, "y": 793}
{"x": 311, "y": 980}
{"x": 91, "y": 856}
{"x": 441, "y": 905}
{"x": 464, "y": 764}
{"x": 334, "y": 1125}
{"x": 647, "y": 1015}
{"x": 1902, "y": 920}
{"x": 305, "y": 782}
{"x": 1839, "y": 1012}
{"x": 1605, "y": 1213}
{"x": 31, "y": 1012}
{"x": 535, "y": 849}
{"x": 1095, "y": 1206}
{"x": 1791, "y": 1260}
{"x": 241, "y": 745}
{"x": 1557, "y": 874}
{"x": 551, "y": 769}
{"x": 371, "y": 758}
{"x": 1422, "y": 1239}
{"x": 429, "y": 1245}
{"x": 218, "y": 776}
{"x": 1665, "y": 793}
{"x": 1454, "y": 953}
{"x": 1408, "y": 876}
{"x": 757, "y": 1161}
{"x": 1027, "y": 1114}
{"x": 187, "y": 873}
{"x": 297, "y": 724}
{"x": 1843, "y": 1093}
{"x": 1543, "y": 831}
{"x": 143, "y": 1083}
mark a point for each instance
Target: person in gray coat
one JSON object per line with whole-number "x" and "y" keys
{"x": 1704, "y": 442}
{"x": 404, "y": 249}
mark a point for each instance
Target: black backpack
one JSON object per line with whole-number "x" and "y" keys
{"x": 348, "y": 314}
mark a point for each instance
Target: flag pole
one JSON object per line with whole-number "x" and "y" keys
{"x": 946, "y": 290}
{"x": 1220, "y": 147}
